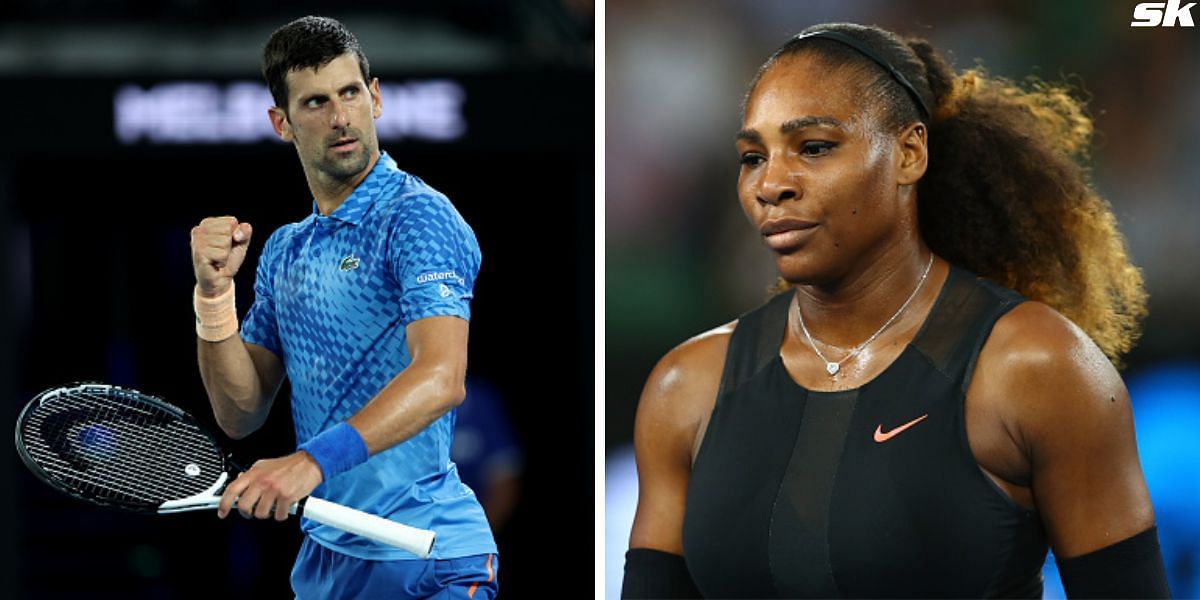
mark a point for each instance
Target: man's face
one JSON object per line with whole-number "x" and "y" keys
{"x": 331, "y": 118}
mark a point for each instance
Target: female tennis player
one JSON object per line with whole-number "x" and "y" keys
{"x": 931, "y": 402}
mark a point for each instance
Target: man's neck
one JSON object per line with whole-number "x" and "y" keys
{"x": 329, "y": 193}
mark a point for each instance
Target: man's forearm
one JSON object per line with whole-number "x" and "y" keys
{"x": 235, "y": 388}
{"x": 413, "y": 400}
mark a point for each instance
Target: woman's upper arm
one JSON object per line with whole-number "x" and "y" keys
{"x": 1074, "y": 421}
{"x": 676, "y": 401}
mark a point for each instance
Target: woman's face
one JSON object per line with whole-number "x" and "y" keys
{"x": 816, "y": 177}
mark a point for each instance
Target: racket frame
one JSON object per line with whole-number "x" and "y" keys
{"x": 129, "y": 395}
{"x": 415, "y": 540}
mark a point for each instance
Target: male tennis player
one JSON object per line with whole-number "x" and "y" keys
{"x": 364, "y": 304}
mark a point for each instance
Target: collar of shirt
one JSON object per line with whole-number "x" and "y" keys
{"x": 352, "y": 209}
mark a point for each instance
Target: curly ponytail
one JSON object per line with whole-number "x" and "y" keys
{"x": 1006, "y": 197}
{"x": 1005, "y": 194}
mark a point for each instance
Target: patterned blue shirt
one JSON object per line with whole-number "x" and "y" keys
{"x": 333, "y": 295}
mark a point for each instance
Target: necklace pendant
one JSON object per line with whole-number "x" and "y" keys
{"x": 832, "y": 368}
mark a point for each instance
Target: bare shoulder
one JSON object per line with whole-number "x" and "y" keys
{"x": 675, "y": 403}
{"x": 1044, "y": 368}
{"x": 682, "y": 388}
{"x": 1036, "y": 340}
{"x": 1068, "y": 411}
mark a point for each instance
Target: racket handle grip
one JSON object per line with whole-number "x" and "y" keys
{"x": 412, "y": 539}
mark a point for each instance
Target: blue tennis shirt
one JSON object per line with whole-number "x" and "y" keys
{"x": 333, "y": 295}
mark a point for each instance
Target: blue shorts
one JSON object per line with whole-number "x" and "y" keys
{"x": 321, "y": 574}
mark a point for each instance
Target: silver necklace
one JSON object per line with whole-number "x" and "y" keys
{"x": 832, "y": 367}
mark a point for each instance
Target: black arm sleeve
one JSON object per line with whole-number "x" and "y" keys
{"x": 1132, "y": 568}
{"x": 656, "y": 574}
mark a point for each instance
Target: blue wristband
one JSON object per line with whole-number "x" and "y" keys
{"x": 337, "y": 450}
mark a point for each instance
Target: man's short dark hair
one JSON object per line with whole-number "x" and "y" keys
{"x": 307, "y": 43}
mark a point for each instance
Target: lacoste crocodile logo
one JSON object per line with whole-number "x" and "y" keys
{"x": 349, "y": 263}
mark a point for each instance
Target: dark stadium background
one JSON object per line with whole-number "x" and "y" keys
{"x": 97, "y": 275}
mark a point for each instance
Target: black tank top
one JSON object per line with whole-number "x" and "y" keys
{"x": 868, "y": 492}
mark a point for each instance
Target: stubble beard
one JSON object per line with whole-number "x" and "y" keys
{"x": 345, "y": 167}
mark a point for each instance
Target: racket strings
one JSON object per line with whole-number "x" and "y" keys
{"x": 88, "y": 452}
{"x": 112, "y": 479}
{"x": 117, "y": 448}
{"x": 146, "y": 435}
{"x": 105, "y": 478}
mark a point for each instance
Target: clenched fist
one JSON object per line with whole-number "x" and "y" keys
{"x": 218, "y": 249}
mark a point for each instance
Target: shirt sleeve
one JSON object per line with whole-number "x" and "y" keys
{"x": 260, "y": 325}
{"x": 434, "y": 257}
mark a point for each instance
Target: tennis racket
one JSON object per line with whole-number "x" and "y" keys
{"x": 119, "y": 448}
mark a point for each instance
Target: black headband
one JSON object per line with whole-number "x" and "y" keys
{"x": 862, "y": 48}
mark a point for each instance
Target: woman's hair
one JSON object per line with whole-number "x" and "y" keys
{"x": 1006, "y": 193}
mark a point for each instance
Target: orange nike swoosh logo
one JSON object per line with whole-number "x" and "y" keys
{"x": 880, "y": 436}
